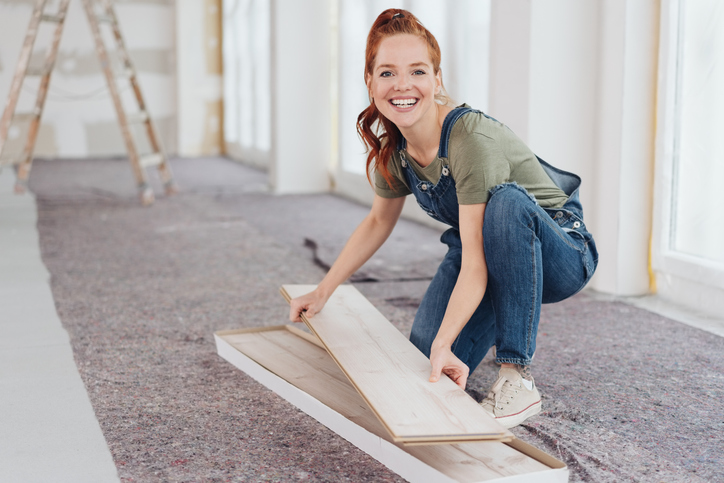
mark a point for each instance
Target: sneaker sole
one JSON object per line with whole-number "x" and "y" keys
{"x": 514, "y": 420}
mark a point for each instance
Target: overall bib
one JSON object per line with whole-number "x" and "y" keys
{"x": 534, "y": 255}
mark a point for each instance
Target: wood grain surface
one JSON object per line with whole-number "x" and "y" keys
{"x": 392, "y": 375}
{"x": 310, "y": 368}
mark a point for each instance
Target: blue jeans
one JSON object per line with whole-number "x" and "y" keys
{"x": 534, "y": 256}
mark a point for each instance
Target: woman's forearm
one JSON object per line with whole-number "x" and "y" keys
{"x": 465, "y": 299}
{"x": 472, "y": 280}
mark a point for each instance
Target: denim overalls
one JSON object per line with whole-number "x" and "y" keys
{"x": 534, "y": 255}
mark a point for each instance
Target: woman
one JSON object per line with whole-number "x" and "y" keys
{"x": 517, "y": 237}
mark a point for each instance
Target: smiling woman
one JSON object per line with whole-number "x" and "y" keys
{"x": 402, "y": 92}
{"x": 516, "y": 238}
{"x": 402, "y": 72}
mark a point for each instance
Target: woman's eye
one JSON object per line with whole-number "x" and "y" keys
{"x": 386, "y": 73}
{"x": 419, "y": 72}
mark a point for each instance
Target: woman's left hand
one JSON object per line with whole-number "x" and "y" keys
{"x": 445, "y": 362}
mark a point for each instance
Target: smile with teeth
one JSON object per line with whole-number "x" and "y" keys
{"x": 404, "y": 102}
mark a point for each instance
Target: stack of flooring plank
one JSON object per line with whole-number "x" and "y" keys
{"x": 359, "y": 376}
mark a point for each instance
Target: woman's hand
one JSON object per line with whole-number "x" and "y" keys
{"x": 445, "y": 362}
{"x": 310, "y": 304}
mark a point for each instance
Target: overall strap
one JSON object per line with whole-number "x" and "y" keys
{"x": 447, "y": 126}
{"x": 401, "y": 143}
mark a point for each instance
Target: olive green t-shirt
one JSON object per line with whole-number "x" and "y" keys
{"x": 482, "y": 153}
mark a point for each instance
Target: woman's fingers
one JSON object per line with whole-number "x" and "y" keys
{"x": 445, "y": 362}
{"x": 460, "y": 377}
{"x": 435, "y": 373}
{"x": 310, "y": 304}
{"x": 294, "y": 313}
{"x": 295, "y": 310}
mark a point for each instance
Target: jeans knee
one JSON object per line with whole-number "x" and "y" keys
{"x": 508, "y": 203}
{"x": 421, "y": 339}
{"x": 508, "y": 196}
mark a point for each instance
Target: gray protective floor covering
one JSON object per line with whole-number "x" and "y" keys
{"x": 628, "y": 395}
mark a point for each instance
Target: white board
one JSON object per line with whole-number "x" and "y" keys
{"x": 291, "y": 364}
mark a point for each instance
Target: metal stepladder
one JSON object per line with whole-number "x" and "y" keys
{"x": 98, "y": 12}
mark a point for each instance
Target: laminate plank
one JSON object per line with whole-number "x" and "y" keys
{"x": 392, "y": 375}
{"x": 310, "y": 368}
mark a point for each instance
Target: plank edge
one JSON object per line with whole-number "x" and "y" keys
{"x": 537, "y": 454}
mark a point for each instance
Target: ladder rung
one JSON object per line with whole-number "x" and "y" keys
{"x": 25, "y": 116}
{"x": 37, "y": 71}
{"x": 124, "y": 74}
{"x": 153, "y": 159}
{"x": 137, "y": 118}
{"x": 10, "y": 160}
{"x": 106, "y": 18}
{"x": 52, "y": 18}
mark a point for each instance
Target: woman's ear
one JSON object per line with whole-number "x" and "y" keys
{"x": 438, "y": 82}
{"x": 368, "y": 81}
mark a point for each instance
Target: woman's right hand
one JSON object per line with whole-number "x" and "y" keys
{"x": 310, "y": 304}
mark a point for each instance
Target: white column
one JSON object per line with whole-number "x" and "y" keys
{"x": 625, "y": 144}
{"x": 563, "y": 87}
{"x": 510, "y": 76}
{"x": 301, "y": 106}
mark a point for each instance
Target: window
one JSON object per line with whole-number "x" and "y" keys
{"x": 697, "y": 218}
{"x": 247, "y": 79}
{"x": 689, "y": 222}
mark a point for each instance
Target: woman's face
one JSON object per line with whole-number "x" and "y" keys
{"x": 403, "y": 83}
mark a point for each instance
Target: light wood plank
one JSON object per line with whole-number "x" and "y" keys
{"x": 392, "y": 375}
{"x": 310, "y": 369}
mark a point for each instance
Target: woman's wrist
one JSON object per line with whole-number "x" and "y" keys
{"x": 440, "y": 343}
{"x": 324, "y": 291}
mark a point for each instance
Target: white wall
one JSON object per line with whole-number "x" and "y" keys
{"x": 79, "y": 119}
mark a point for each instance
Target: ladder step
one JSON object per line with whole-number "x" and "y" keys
{"x": 12, "y": 160}
{"x": 149, "y": 160}
{"x": 26, "y": 116}
{"x": 106, "y": 18}
{"x": 124, "y": 74}
{"x": 37, "y": 71}
{"x": 137, "y": 118}
{"x": 52, "y": 18}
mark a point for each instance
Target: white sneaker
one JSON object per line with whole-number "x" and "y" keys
{"x": 509, "y": 401}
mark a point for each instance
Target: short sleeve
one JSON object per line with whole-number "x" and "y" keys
{"x": 383, "y": 189}
{"x": 477, "y": 164}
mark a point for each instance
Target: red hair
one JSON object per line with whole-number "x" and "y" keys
{"x": 378, "y": 133}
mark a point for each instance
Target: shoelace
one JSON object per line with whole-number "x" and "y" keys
{"x": 502, "y": 389}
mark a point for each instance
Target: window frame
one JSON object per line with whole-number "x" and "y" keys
{"x": 673, "y": 268}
